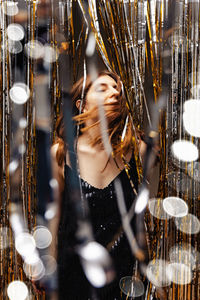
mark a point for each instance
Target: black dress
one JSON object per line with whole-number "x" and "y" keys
{"x": 106, "y": 223}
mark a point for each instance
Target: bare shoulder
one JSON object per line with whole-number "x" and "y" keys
{"x": 54, "y": 149}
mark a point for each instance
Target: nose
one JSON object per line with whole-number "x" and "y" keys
{"x": 113, "y": 93}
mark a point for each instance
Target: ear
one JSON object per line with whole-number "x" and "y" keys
{"x": 78, "y": 103}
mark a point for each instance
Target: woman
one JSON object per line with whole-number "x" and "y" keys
{"x": 98, "y": 171}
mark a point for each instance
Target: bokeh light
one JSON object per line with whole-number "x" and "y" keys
{"x": 15, "y": 32}
{"x": 191, "y": 118}
{"x": 156, "y": 209}
{"x": 17, "y": 290}
{"x": 34, "y": 271}
{"x": 50, "y": 54}
{"x": 131, "y": 286}
{"x": 188, "y": 224}
{"x": 157, "y": 273}
{"x": 175, "y": 207}
{"x": 25, "y": 244}
{"x": 179, "y": 273}
{"x": 14, "y": 47}
{"x": 49, "y": 263}
{"x": 34, "y": 49}
{"x": 185, "y": 151}
{"x": 184, "y": 254}
{"x": 19, "y": 93}
{"x": 10, "y": 8}
{"x": 42, "y": 236}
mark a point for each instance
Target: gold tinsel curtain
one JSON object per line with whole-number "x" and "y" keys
{"x": 133, "y": 40}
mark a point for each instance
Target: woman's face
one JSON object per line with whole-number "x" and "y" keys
{"x": 103, "y": 89}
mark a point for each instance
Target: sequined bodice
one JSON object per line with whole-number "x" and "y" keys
{"x": 104, "y": 212}
{"x": 107, "y": 229}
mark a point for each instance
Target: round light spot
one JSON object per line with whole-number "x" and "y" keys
{"x": 185, "y": 151}
{"x": 19, "y": 93}
{"x": 14, "y": 47}
{"x": 175, "y": 207}
{"x": 51, "y": 211}
{"x": 34, "y": 271}
{"x": 13, "y": 165}
{"x": 23, "y": 123}
{"x": 49, "y": 263}
{"x": 156, "y": 209}
{"x": 53, "y": 183}
{"x": 94, "y": 273}
{"x": 17, "y": 290}
{"x": 179, "y": 273}
{"x": 22, "y": 148}
{"x": 50, "y": 54}
{"x": 191, "y": 118}
{"x": 34, "y": 49}
{"x": 25, "y": 244}
{"x": 131, "y": 286}
{"x": 184, "y": 254}
{"x": 157, "y": 273}
{"x": 15, "y": 32}
{"x": 188, "y": 224}
{"x": 42, "y": 236}
{"x": 10, "y": 8}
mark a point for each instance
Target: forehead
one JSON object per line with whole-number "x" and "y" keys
{"x": 105, "y": 80}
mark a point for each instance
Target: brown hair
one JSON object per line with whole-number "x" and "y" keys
{"x": 115, "y": 118}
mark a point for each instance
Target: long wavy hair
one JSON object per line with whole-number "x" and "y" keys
{"x": 115, "y": 116}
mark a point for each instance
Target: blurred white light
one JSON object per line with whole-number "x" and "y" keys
{"x": 15, "y": 32}
{"x": 93, "y": 252}
{"x": 91, "y": 45}
{"x": 34, "y": 271}
{"x": 14, "y": 47}
{"x": 19, "y": 93}
{"x": 4, "y": 238}
{"x": 184, "y": 254}
{"x": 179, "y": 273}
{"x": 184, "y": 150}
{"x": 10, "y": 8}
{"x": 53, "y": 183}
{"x": 141, "y": 200}
{"x": 13, "y": 165}
{"x": 22, "y": 148}
{"x": 157, "y": 273}
{"x": 50, "y": 54}
{"x": 188, "y": 224}
{"x": 95, "y": 274}
{"x": 131, "y": 286}
{"x": 16, "y": 223}
{"x": 192, "y": 106}
{"x": 191, "y": 118}
{"x": 32, "y": 259}
{"x": 42, "y": 236}
{"x": 191, "y": 124}
{"x": 156, "y": 209}
{"x": 34, "y": 49}
{"x": 49, "y": 263}
{"x": 175, "y": 207}
{"x": 25, "y": 244}
{"x": 17, "y": 290}
{"x": 51, "y": 211}
{"x": 23, "y": 123}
